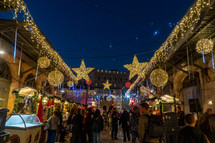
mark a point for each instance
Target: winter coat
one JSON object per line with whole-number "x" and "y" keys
{"x": 181, "y": 118}
{"x": 114, "y": 119}
{"x": 191, "y": 135}
{"x": 88, "y": 122}
{"x": 77, "y": 122}
{"x": 134, "y": 120}
{"x": 54, "y": 122}
{"x": 124, "y": 119}
{"x": 143, "y": 128}
{"x": 97, "y": 124}
{"x": 77, "y": 129}
{"x": 207, "y": 127}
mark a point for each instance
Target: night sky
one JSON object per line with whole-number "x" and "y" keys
{"x": 106, "y": 33}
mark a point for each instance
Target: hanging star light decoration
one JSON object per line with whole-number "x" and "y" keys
{"x": 136, "y": 68}
{"x": 107, "y": 85}
{"x": 82, "y": 72}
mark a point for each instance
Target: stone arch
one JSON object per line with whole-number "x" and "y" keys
{"x": 30, "y": 81}
{"x": 5, "y": 83}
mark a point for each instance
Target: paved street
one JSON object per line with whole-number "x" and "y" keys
{"x": 106, "y": 137}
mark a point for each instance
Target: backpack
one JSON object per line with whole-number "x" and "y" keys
{"x": 155, "y": 126}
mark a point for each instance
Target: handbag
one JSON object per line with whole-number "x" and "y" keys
{"x": 48, "y": 124}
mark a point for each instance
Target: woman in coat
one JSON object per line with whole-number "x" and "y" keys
{"x": 97, "y": 126}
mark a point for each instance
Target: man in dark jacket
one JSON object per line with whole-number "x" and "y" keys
{"x": 77, "y": 129}
{"x": 97, "y": 126}
{"x": 181, "y": 118}
{"x": 88, "y": 124}
{"x": 61, "y": 130}
{"x": 134, "y": 120}
{"x": 124, "y": 120}
{"x": 191, "y": 134}
{"x": 114, "y": 124}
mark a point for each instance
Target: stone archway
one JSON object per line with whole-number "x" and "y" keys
{"x": 5, "y": 82}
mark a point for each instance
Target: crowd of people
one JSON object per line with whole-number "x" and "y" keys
{"x": 138, "y": 124}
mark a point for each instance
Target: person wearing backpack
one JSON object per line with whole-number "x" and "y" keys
{"x": 146, "y": 134}
{"x": 97, "y": 126}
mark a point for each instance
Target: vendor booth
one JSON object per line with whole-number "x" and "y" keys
{"x": 24, "y": 128}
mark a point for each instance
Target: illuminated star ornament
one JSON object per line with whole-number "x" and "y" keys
{"x": 107, "y": 85}
{"x": 83, "y": 72}
{"x": 136, "y": 68}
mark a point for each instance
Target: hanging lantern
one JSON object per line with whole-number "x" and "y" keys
{"x": 142, "y": 88}
{"x": 55, "y": 78}
{"x": 70, "y": 83}
{"x": 204, "y": 46}
{"x": 159, "y": 77}
{"x": 43, "y": 62}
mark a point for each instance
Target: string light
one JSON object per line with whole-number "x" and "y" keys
{"x": 37, "y": 36}
{"x": 82, "y": 72}
{"x": 159, "y": 77}
{"x": 55, "y": 78}
{"x": 204, "y": 46}
{"x": 43, "y": 62}
{"x": 162, "y": 54}
{"x": 70, "y": 83}
{"x": 136, "y": 68}
{"x": 107, "y": 85}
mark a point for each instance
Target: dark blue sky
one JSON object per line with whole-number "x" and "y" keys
{"x": 92, "y": 28}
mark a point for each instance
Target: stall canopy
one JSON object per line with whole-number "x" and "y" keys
{"x": 24, "y": 91}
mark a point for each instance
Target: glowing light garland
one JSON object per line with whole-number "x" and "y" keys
{"x": 82, "y": 72}
{"x": 107, "y": 85}
{"x": 136, "y": 68}
{"x": 204, "y": 46}
{"x": 55, "y": 78}
{"x": 37, "y": 36}
{"x": 159, "y": 77}
{"x": 187, "y": 22}
{"x": 70, "y": 83}
{"x": 43, "y": 62}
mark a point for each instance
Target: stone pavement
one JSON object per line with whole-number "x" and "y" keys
{"x": 106, "y": 137}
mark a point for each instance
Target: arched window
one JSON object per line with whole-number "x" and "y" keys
{"x": 30, "y": 81}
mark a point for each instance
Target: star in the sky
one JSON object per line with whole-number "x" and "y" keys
{"x": 136, "y": 68}
{"x": 82, "y": 72}
{"x": 107, "y": 85}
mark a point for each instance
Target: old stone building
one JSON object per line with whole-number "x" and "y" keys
{"x": 20, "y": 71}
{"x": 190, "y": 75}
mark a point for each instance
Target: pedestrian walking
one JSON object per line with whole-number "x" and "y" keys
{"x": 181, "y": 118}
{"x": 61, "y": 130}
{"x": 124, "y": 120}
{"x": 77, "y": 128}
{"x": 115, "y": 119}
{"x": 109, "y": 114}
{"x": 97, "y": 126}
{"x": 191, "y": 134}
{"x": 88, "y": 125}
{"x": 208, "y": 112}
{"x": 144, "y": 126}
{"x": 208, "y": 127}
{"x": 134, "y": 120}
{"x": 54, "y": 122}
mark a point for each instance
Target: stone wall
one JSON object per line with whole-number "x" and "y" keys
{"x": 17, "y": 81}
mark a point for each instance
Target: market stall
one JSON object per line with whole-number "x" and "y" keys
{"x": 24, "y": 128}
